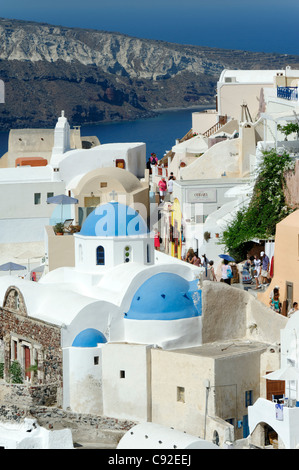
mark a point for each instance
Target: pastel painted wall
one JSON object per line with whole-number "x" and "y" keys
{"x": 232, "y": 95}
{"x": 180, "y": 384}
{"x": 176, "y": 222}
{"x": 202, "y": 121}
{"x": 286, "y": 260}
{"x": 60, "y": 250}
{"x": 96, "y": 186}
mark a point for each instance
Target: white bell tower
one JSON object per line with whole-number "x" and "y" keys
{"x": 61, "y": 140}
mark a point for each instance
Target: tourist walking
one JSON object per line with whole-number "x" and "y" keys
{"x": 265, "y": 268}
{"x": 212, "y": 271}
{"x": 153, "y": 159}
{"x": 257, "y": 271}
{"x": 157, "y": 240}
{"x": 162, "y": 188}
{"x": 189, "y": 256}
{"x": 251, "y": 259}
{"x": 196, "y": 260}
{"x": 170, "y": 184}
{"x": 226, "y": 272}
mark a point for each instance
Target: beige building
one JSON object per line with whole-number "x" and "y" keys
{"x": 203, "y": 390}
{"x": 237, "y": 87}
{"x": 105, "y": 184}
{"x": 286, "y": 267}
{"x": 39, "y": 143}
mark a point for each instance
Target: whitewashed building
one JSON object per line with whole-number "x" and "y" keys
{"x": 24, "y": 189}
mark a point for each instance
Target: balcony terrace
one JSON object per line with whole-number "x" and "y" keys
{"x": 287, "y": 93}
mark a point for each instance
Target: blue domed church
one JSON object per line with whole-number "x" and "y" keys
{"x": 121, "y": 299}
{"x": 160, "y": 302}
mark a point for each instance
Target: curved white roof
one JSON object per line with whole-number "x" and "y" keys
{"x": 50, "y": 303}
{"x": 156, "y": 436}
{"x": 195, "y": 145}
{"x": 117, "y": 284}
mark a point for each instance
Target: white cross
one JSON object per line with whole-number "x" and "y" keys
{"x": 113, "y": 194}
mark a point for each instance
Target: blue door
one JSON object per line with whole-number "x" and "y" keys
{"x": 245, "y": 426}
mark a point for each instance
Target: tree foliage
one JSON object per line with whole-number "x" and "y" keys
{"x": 289, "y": 128}
{"x": 266, "y": 208}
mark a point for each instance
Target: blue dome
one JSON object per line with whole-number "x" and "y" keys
{"x": 165, "y": 296}
{"x": 114, "y": 220}
{"x": 89, "y": 338}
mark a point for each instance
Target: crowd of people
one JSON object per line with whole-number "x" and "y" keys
{"x": 166, "y": 186}
{"x": 163, "y": 185}
{"x": 226, "y": 269}
{"x": 259, "y": 268}
{"x": 192, "y": 258}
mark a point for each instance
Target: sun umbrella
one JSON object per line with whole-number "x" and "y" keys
{"x": 62, "y": 199}
{"x": 11, "y": 267}
{"x": 28, "y": 255}
{"x": 287, "y": 373}
{"x": 227, "y": 257}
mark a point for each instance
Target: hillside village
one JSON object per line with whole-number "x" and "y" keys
{"x": 109, "y": 335}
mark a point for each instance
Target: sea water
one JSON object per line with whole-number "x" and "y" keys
{"x": 159, "y": 133}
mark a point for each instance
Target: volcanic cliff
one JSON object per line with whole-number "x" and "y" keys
{"x": 103, "y": 76}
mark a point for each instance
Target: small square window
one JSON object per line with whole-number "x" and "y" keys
{"x": 122, "y": 374}
{"x": 181, "y": 394}
{"x": 103, "y": 185}
{"x": 96, "y": 360}
{"x": 37, "y": 198}
{"x": 50, "y": 195}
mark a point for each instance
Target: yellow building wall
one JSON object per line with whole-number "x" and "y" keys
{"x": 176, "y": 222}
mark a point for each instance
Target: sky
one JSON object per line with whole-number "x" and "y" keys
{"x": 256, "y": 25}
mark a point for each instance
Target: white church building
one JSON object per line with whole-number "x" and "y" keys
{"x": 121, "y": 292}
{"x": 25, "y": 188}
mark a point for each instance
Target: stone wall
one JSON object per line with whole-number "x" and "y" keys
{"x": 43, "y": 338}
{"x": 85, "y": 428}
{"x": 28, "y": 395}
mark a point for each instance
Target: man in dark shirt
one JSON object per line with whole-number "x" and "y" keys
{"x": 265, "y": 267}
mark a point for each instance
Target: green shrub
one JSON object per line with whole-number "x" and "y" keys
{"x": 289, "y": 128}
{"x": 266, "y": 208}
{"x": 16, "y": 373}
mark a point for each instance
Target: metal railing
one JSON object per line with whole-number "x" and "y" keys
{"x": 287, "y": 93}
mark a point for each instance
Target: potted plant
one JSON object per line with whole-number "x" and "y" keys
{"x": 58, "y": 228}
{"x": 207, "y": 236}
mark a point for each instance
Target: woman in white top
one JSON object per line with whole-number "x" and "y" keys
{"x": 226, "y": 272}
{"x": 170, "y": 184}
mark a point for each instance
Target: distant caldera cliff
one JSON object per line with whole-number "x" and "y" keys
{"x": 97, "y": 76}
